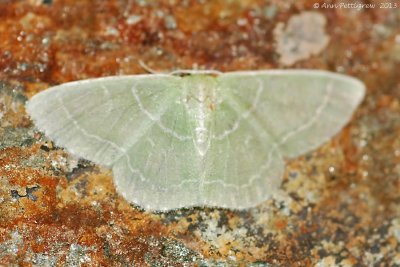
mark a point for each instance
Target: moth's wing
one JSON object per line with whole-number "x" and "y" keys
{"x": 300, "y": 109}
{"x": 133, "y": 124}
{"x": 265, "y": 115}
{"x": 97, "y": 119}
{"x": 161, "y": 169}
{"x": 242, "y": 166}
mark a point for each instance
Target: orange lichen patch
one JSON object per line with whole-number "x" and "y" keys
{"x": 11, "y": 108}
{"x": 350, "y": 150}
{"x": 52, "y": 218}
{"x": 87, "y": 188}
{"x": 18, "y": 180}
{"x": 384, "y": 101}
{"x": 89, "y": 228}
{"x": 81, "y": 223}
{"x": 107, "y": 39}
{"x": 34, "y": 88}
{"x": 200, "y": 21}
{"x": 281, "y": 224}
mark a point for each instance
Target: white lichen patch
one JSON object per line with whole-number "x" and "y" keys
{"x": 395, "y": 229}
{"x": 11, "y": 246}
{"x": 78, "y": 255}
{"x": 302, "y": 37}
{"x": 326, "y": 262}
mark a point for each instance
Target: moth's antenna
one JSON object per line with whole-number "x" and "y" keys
{"x": 148, "y": 69}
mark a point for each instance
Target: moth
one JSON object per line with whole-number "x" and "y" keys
{"x": 197, "y": 138}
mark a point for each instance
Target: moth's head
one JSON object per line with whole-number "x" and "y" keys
{"x": 185, "y": 73}
{"x": 199, "y": 83}
{"x": 200, "y": 89}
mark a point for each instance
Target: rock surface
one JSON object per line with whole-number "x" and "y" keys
{"x": 338, "y": 206}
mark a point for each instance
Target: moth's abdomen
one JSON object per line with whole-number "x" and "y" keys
{"x": 201, "y": 93}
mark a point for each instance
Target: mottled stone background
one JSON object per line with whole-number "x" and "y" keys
{"x": 338, "y": 205}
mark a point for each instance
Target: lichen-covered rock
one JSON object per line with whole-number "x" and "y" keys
{"x": 337, "y": 205}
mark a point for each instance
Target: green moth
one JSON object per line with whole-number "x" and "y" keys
{"x": 197, "y": 138}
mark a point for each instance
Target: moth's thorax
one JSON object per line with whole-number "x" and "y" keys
{"x": 200, "y": 98}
